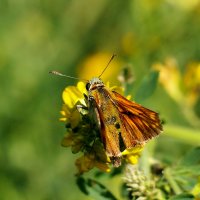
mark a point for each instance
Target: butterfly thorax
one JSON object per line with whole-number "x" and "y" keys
{"x": 95, "y": 83}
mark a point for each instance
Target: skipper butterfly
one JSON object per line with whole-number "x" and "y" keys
{"x": 122, "y": 123}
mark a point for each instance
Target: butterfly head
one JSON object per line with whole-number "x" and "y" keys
{"x": 94, "y": 83}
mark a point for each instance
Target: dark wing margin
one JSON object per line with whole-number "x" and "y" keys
{"x": 139, "y": 123}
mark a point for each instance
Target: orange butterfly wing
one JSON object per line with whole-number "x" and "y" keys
{"x": 139, "y": 124}
{"x": 133, "y": 124}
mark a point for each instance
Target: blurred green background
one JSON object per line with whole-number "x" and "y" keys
{"x": 37, "y": 36}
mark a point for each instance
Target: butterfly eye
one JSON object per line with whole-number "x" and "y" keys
{"x": 87, "y": 86}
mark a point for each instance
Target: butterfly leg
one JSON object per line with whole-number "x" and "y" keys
{"x": 81, "y": 106}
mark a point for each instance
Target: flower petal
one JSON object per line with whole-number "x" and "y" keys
{"x": 134, "y": 150}
{"x": 71, "y": 95}
{"x": 102, "y": 166}
{"x": 132, "y": 159}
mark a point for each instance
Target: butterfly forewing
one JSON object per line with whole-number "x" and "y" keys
{"x": 110, "y": 123}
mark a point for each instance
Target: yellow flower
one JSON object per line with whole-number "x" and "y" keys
{"x": 76, "y": 141}
{"x": 185, "y": 5}
{"x": 102, "y": 166}
{"x": 85, "y": 163}
{"x": 170, "y": 78}
{"x": 88, "y": 161}
{"x": 196, "y": 190}
{"x": 132, "y": 155}
{"x": 182, "y": 87}
{"x": 71, "y": 96}
{"x": 191, "y": 82}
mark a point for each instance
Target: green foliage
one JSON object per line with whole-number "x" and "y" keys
{"x": 192, "y": 158}
{"x": 95, "y": 189}
{"x": 187, "y": 171}
{"x": 147, "y": 86}
{"x": 183, "y": 197}
{"x": 175, "y": 182}
{"x": 39, "y": 36}
{"x": 81, "y": 183}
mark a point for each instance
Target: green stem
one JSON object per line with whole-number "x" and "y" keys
{"x": 190, "y": 115}
{"x": 171, "y": 181}
{"x": 144, "y": 163}
{"x": 187, "y": 135}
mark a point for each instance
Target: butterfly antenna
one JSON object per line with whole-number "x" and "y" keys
{"x": 60, "y": 74}
{"x": 107, "y": 64}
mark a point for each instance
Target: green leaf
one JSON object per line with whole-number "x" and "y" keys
{"x": 124, "y": 192}
{"x": 182, "y": 197}
{"x": 116, "y": 171}
{"x": 147, "y": 86}
{"x": 187, "y": 170}
{"x": 81, "y": 183}
{"x": 99, "y": 191}
{"x": 191, "y": 158}
{"x": 196, "y": 190}
{"x": 94, "y": 189}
